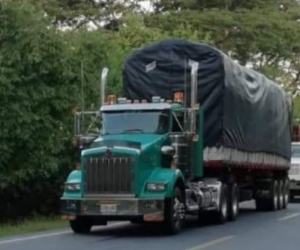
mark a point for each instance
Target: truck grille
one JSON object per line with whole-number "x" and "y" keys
{"x": 109, "y": 175}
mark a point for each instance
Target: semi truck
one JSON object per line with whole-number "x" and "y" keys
{"x": 294, "y": 172}
{"x": 192, "y": 133}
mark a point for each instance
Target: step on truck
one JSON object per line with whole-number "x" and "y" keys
{"x": 193, "y": 133}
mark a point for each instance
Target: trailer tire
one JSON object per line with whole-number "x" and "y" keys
{"x": 286, "y": 189}
{"x": 268, "y": 203}
{"x": 174, "y": 213}
{"x": 233, "y": 202}
{"x": 280, "y": 194}
{"x": 81, "y": 226}
{"x": 274, "y": 195}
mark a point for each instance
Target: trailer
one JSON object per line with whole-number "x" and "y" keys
{"x": 193, "y": 133}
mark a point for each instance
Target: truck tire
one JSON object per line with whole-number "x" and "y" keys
{"x": 222, "y": 213}
{"x": 274, "y": 195}
{"x": 280, "y": 194}
{"x": 268, "y": 203}
{"x": 174, "y": 213}
{"x": 81, "y": 225}
{"x": 286, "y": 189}
{"x": 233, "y": 202}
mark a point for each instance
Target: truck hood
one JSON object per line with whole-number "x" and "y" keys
{"x": 136, "y": 141}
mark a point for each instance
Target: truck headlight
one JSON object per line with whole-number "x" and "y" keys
{"x": 72, "y": 187}
{"x": 156, "y": 186}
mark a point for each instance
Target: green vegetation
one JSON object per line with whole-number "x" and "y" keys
{"x": 32, "y": 226}
{"x": 42, "y": 69}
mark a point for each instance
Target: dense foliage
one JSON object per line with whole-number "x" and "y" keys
{"x": 44, "y": 70}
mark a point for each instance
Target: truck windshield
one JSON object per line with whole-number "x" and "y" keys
{"x": 296, "y": 151}
{"x": 123, "y": 122}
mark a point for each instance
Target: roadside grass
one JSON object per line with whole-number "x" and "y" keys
{"x": 34, "y": 225}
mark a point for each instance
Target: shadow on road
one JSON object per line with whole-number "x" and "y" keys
{"x": 248, "y": 217}
{"x": 130, "y": 230}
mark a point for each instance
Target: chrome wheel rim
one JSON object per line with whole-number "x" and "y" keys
{"x": 178, "y": 212}
{"x": 281, "y": 199}
{"x": 235, "y": 205}
{"x": 224, "y": 207}
{"x": 275, "y": 198}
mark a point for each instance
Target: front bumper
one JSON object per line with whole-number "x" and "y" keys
{"x": 113, "y": 208}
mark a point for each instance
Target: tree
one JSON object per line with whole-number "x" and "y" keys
{"x": 230, "y": 5}
{"x": 263, "y": 38}
{"x": 84, "y": 13}
{"x": 37, "y": 89}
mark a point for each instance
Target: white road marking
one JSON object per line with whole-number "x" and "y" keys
{"x": 39, "y": 236}
{"x": 212, "y": 243}
{"x": 289, "y": 216}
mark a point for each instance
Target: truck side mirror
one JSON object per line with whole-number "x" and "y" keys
{"x": 167, "y": 150}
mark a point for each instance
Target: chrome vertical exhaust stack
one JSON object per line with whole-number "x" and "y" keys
{"x": 103, "y": 84}
{"x": 194, "y": 93}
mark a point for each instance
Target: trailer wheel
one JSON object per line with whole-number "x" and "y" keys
{"x": 174, "y": 213}
{"x": 274, "y": 195}
{"x": 269, "y": 203}
{"x": 233, "y": 202}
{"x": 81, "y": 225}
{"x": 280, "y": 195}
{"x": 286, "y": 189}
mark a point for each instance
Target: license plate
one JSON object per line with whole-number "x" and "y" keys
{"x": 108, "y": 208}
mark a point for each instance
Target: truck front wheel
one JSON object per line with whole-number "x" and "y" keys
{"x": 174, "y": 212}
{"x": 81, "y": 225}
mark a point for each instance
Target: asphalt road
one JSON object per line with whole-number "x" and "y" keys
{"x": 253, "y": 230}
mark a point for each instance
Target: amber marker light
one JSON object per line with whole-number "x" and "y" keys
{"x": 178, "y": 97}
{"x": 112, "y": 99}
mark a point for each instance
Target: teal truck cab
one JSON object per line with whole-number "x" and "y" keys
{"x": 145, "y": 165}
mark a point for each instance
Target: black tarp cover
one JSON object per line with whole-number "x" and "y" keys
{"x": 243, "y": 109}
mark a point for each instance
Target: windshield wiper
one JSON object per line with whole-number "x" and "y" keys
{"x": 133, "y": 130}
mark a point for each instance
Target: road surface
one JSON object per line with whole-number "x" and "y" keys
{"x": 252, "y": 231}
